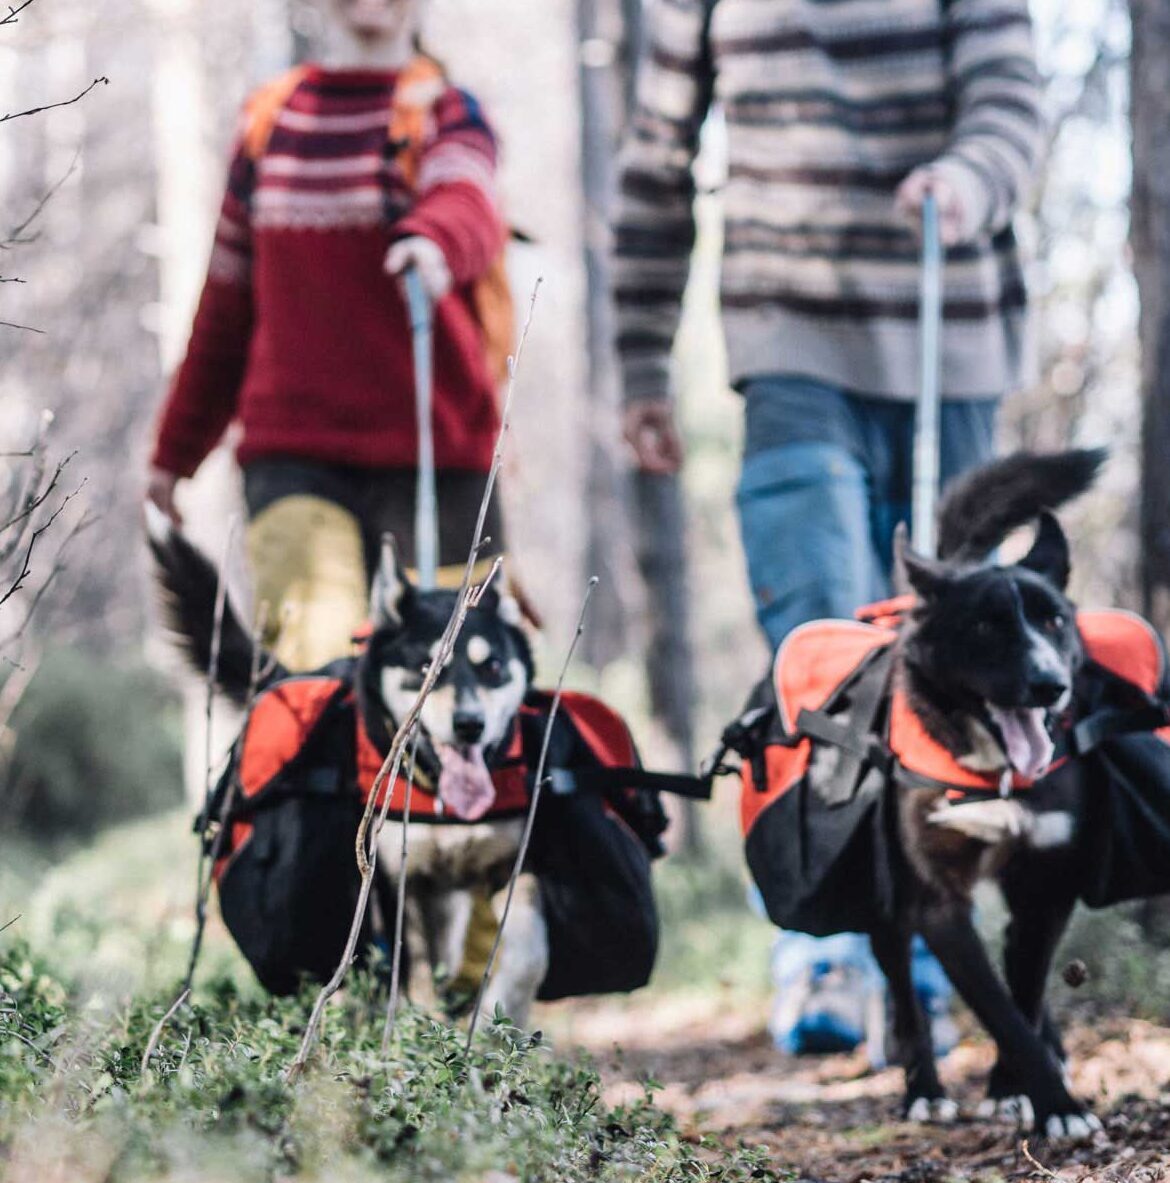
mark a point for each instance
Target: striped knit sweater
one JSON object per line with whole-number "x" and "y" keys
{"x": 829, "y": 105}
{"x": 300, "y": 335}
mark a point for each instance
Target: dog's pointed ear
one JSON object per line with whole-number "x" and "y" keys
{"x": 391, "y": 587}
{"x": 502, "y": 603}
{"x": 925, "y": 576}
{"x": 1049, "y": 555}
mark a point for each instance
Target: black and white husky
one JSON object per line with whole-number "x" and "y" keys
{"x": 467, "y": 722}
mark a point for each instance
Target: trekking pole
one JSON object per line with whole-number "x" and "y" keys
{"x": 926, "y": 420}
{"x": 426, "y": 513}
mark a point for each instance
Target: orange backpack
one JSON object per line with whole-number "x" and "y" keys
{"x": 420, "y": 85}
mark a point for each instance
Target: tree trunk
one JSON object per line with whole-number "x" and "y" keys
{"x": 1150, "y": 241}
{"x": 609, "y": 32}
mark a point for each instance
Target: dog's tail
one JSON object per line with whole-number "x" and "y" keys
{"x": 190, "y": 585}
{"x": 982, "y": 507}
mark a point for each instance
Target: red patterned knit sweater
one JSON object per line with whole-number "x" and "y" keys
{"x": 299, "y": 334}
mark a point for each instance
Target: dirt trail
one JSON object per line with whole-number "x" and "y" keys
{"x": 829, "y": 1119}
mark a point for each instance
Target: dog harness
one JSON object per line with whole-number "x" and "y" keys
{"x": 319, "y": 733}
{"x": 825, "y": 661}
{"x": 829, "y": 739}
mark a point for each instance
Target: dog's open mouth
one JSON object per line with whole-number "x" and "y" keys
{"x": 1027, "y": 744}
{"x": 465, "y": 785}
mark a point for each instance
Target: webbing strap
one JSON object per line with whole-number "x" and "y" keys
{"x": 1102, "y": 725}
{"x": 856, "y": 739}
{"x": 599, "y": 780}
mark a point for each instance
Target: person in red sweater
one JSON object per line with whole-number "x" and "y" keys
{"x": 302, "y": 334}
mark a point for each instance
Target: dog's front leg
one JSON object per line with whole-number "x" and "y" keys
{"x": 951, "y": 935}
{"x": 1038, "y": 917}
{"x": 522, "y": 961}
{"x": 925, "y": 1099}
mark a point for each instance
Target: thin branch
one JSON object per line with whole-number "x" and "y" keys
{"x": 1039, "y": 1166}
{"x": 156, "y": 1034}
{"x": 526, "y": 837}
{"x": 53, "y": 106}
{"x": 465, "y": 599}
{"x": 16, "y": 234}
{"x": 14, "y": 12}
{"x": 25, "y": 567}
{"x": 8, "y": 324}
{"x": 5, "y": 927}
{"x": 209, "y": 858}
{"x": 399, "y": 902}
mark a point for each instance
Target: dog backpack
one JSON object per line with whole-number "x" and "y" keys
{"x": 293, "y": 793}
{"x": 419, "y": 86}
{"x": 1119, "y": 743}
{"x": 826, "y": 741}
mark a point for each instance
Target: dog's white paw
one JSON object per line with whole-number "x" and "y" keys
{"x": 1072, "y": 1127}
{"x": 933, "y": 1110}
{"x": 985, "y": 821}
{"x": 1015, "y": 1111}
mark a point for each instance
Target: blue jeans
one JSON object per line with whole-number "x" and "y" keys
{"x": 826, "y": 478}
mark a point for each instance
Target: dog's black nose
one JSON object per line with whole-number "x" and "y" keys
{"x": 468, "y": 726}
{"x": 1046, "y": 690}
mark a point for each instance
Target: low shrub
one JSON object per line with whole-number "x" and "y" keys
{"x": 215, "y": 1099}
{"x": 92, "y": 743}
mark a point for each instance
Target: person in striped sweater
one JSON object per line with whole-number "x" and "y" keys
{"x": 841, "y": 116}
{"x": 344, "y": 174}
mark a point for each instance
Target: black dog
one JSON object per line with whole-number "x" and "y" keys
{"x": 988, "y": 659}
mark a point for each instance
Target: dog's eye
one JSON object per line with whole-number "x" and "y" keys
{"x": 1054, "y": 623}
{"x": 492, "y": 670}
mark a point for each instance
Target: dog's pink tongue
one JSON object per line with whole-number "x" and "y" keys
{"x": 465, "y": 785}
{"x": 1029, "y": 746}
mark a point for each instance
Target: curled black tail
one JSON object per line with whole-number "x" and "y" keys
{"x": 982, "y": 507}
{"x": 189, "y": 584}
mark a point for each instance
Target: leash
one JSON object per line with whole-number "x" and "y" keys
{"x": 426, "y": 513}
{"x": 926, "y": 427}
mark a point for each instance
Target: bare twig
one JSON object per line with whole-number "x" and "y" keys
{"x": 388, "y": 773}
{"x": 156, "y": 1034}
{"x": 208, "y": 858}
{"x": 13, "y": 12}
{"x": 526, "y": 837}
{"x": 10, "y": 923}
{"x": 25, "y": 564}
{"x": 8, "y": 324}
{"x": 399, "y": 901}
{"x": 1039, "y": 1166}
{"x": 16, "y": 236}
{"x": 103, "y": 81}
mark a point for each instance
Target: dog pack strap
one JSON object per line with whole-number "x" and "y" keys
{"x": 600, "y": 780}
{"x": 855, "y": 737}
{"x": 1102, "y": 725}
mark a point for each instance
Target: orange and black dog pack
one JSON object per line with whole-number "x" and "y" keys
{"x": 827, "y": 740}
{"x": 303, "y": 768}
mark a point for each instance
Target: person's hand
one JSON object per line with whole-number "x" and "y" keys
{"x": 426, "y": 257}
{"x": 952, "y": 214}
{"x": 649, "y": 428}
{"x": 160, "y": 492}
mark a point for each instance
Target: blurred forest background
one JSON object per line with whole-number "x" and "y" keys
{"x": 106, "y": 212}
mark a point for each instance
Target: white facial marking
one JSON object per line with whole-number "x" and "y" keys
{"x": 478, "y": 650}
{"x": 501, "y": 704}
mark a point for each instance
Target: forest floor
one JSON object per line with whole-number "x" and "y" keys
{"x": 830, "y": 1119}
